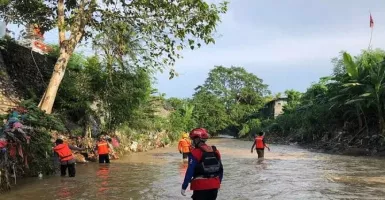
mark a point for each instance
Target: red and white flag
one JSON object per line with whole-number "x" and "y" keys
{"x": 371, "y": 21}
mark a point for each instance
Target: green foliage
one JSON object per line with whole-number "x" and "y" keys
{"x": 222, "y": 104}
{"x": 37, "y": 118}
{"x": 181, "y": 119}
{"x": 352, "y": 99}
{"x": 175, "y": 26}
{"x": 210, "y": 111}
{"x": 231, "y": 95}
{"x": 252, "y": 126}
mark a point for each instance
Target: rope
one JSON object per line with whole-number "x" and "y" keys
{"x": 41, "y": 75}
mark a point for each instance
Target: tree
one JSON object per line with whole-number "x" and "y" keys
{"x": 234, "y": 93}
{"x": 182, "y": 118}
{"x": 210, "y": 111}
{"x": 293, "y": 100}
{"x": 162, "y": 27}
{"x": 241, "y": 92}
{"x": 366, "y": 77}
{"x": 235, "y": 85}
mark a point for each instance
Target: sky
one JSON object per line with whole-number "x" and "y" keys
{"x": 287, "y": 43}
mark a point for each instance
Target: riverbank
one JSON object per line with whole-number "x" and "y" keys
{"x": 339, "y": 144}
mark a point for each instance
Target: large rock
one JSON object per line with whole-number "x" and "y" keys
{"x": 134, "y": 146}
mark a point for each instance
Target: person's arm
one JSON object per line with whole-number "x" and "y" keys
{"x": 110, "y": 147}
{"x": 192, "y": 162}
{"x": 180, "y": 146}
{"x": 75, "y": 148}
{"x": 264, "y": 144}
{"x": 252, "y": 147}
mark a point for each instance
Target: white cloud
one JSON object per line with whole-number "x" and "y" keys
{"x": 283, "y": 50}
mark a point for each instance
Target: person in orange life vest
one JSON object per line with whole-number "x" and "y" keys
{"x": 260, "y": 145}
{"x": 205, "y": 169}
{"x": 103, "y": 150}
{"x": 184, "y": 146}
{"x": 66, "y": 158}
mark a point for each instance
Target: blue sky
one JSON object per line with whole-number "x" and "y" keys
{"x": 287, "y": 43}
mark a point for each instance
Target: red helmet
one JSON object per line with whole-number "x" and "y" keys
{"x": 199, "y": 133}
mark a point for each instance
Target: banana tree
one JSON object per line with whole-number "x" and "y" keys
{"x": 368, "y": 84}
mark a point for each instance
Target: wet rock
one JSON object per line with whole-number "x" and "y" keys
{"x": 139, "y": 148}
{"x": 134, "y": 146}
{"x": 80, "y": 158}
{"x": 126, "y": 149}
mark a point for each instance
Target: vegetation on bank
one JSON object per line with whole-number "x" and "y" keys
{"x": 145, "y": 34}
{"x": 346, "y": 107}
{"x": 112, "y": 91}
{"x": 343, "y": 109}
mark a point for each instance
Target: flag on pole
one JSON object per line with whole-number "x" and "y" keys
{"x": 371, "y": 21}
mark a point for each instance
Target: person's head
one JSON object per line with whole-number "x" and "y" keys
{"x": 261, "y": 133}
{"x": 59, "y": 141}
{"x": 198, "y": 136}
{"x": 102, "y": 138}
{"x": 184, "y": 135}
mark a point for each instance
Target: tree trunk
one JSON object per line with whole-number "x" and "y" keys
{"x": 48, "y": 99}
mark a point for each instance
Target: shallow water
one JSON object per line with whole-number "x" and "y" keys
{"x": 288, "y": 172}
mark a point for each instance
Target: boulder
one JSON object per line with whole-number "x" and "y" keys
{"x": 134, "y": 146}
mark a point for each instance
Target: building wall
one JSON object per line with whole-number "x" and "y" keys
{"x": 278, "y": 107}
{"x": 24, "y": 74}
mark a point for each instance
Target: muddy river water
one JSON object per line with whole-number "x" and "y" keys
{"x": 288, "y": 172}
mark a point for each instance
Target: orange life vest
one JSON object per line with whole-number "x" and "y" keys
{"x": 184, "y": 145}
{"x": 102, "y": 148}
{"x": 259, "y": 142}
{"x": 65, "y": 153}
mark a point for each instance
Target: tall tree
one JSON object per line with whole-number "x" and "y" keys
{"x": 210, "y": 112}
{"x": 293, "y": 100}
{"x": 239, "y": 92}
{"x": 163, "y": 27}
{"x": 235, "y": 85}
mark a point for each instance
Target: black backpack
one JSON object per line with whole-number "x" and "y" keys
{"x": 209, "y": 166}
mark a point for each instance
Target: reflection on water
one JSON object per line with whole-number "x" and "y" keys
{"x": 103, "y": 175}
{"x": 287, "y": 172}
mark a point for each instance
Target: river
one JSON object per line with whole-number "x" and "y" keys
{"x": 288, "y": 172}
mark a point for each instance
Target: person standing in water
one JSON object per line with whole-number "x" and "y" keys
{"x": 103, "y": 150}
{"x": 205, "y": 169}
{"x": 259, "y": 144}
{"x": 184, "y": 146}
{"x": 67, "y": 161}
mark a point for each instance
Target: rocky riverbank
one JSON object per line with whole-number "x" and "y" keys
{"x": 338, "y": 143}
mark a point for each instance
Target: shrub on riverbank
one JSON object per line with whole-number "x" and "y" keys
{"x": 31, "y": 153}
{"x": 90, "y": 101}
{"x": 343, "y": 110}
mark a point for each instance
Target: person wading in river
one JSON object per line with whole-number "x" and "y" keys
{"x": 259, "y": 143}
{"x": 205, "y": 169}
{"x": 184, "y": 146}
{"x": 103, "y": 150}
{"x": 66, "y": 158}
